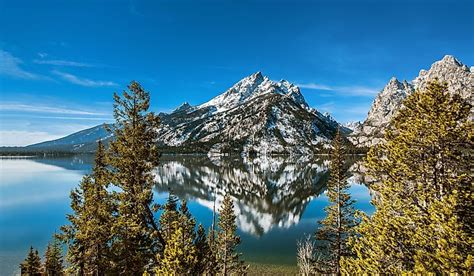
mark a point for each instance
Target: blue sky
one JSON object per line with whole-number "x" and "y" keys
{"x": 60, "y": 61}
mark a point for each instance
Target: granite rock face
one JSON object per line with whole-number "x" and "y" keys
{"x": 460, "y": 81}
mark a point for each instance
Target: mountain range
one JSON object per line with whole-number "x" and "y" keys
{"x": 258, "y": 115}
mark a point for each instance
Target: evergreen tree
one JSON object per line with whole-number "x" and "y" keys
{"x": 227, "y": 241}
{"x": 31, "y": 266}
{"x": 205, "y": 261}
{"x": 53, "y": 259}
{"x": 179, "y": 256}
{"x": 133, "y": 155}
{"x": 170, "y": 214}
{"x": 177, "y": 227}
{"x": 424, "y": 215}
{"x": 187, "y": 221}
{"x": 339, "y": 222}
{"x": 89, "y": 234}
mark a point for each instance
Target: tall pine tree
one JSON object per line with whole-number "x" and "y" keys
{"x": 205, "y": 257}
{"x": 31, "y": 266}
{"x": 89, "y": 233}
{"x": 227, "y": 258}
{"x": 169, "y": 215}
{"x": 53, "y": 259}
{"x": 337, "y": 226}
{"x": 424, "y": 217}
{"x": 133, "y": 155}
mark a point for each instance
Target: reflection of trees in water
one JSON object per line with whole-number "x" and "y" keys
{"x": 82, "y": 162}
{"x": 267, "y": 191}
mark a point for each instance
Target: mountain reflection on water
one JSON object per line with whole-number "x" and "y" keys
{"x": 268, "y": 191}
{"x": 279, "y": 199}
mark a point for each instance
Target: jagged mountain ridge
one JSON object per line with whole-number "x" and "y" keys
{"x": 254, "y": 115}
{"x": 264, "y": 116}
{"x": 459, "y": 77}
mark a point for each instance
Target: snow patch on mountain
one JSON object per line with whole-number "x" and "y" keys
{"x": 256, "y": 115}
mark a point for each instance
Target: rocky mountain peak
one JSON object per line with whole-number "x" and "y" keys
{"x": 460, "y": 80}
{"x": 257, "y": 76}
{"x": 251, "y": 87}
{"x": 459, "y": 77}
{"x": 393, "y": 85}
{"x": 388, "y": 100}
{"x": 183, "y": 107}
{"x": 449, "y": 60}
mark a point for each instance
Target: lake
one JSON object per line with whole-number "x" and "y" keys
{"x": 278, "y": 199}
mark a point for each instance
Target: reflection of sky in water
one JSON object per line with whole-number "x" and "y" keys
{"x": 34, "y": 199}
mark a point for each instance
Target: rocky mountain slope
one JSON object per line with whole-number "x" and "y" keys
{"x": 460, "y": 80}
{"x": 258, "y": 115}
{"x": 254, "y": 115}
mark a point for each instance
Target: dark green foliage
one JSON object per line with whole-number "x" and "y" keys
{"x": 169, "y": 215}
{"x": 89, "y": 234}
{"x": 424, "y": 206}
{"x": 227, "y": 258}
{"x": 31, "y": 266}
{"x": 53, "y": 259}
{"x": 132, "y": 156}
{"x": 339, "y": 222}
{"x": 205, "y": 258}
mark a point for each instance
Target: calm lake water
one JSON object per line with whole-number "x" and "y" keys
{"x": 278, "y": 199}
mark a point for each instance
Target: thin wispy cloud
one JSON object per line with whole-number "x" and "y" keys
{"x": 46, "y": 109}
{"x": 314, "y": 86}
{"x": 359, "y": 90}
{"x": 42, "y": 55}
{"x": 348, "y": 90}
{"x": 11, "y": 66}
{"x": 82, "y": 81}
{"x": 59, "y": 62}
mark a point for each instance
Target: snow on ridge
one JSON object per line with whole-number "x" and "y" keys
{"x": 250, "y": 87}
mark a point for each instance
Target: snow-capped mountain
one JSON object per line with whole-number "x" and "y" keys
{"x": 460, "y": 80}
{"x": 254, "y": 115}
{"x": 258, "y": 115}
{"x": 251, "y": 87}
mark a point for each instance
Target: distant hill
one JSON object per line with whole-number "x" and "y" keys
{"x": 80, "y": 142}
